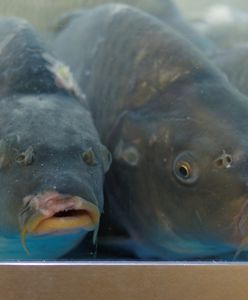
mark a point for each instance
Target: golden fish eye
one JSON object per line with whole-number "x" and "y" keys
{"x": 185, "y": 168}
{"x": 89, "y": 157}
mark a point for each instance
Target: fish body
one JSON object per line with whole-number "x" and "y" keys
{"x": 52, "y": 162}
{"x": 176, "y": 128}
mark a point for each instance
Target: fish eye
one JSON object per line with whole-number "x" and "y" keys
{"x": 185, "y": 168}
{"x": 88, "y": 157}
{"x": 25, "y": 158}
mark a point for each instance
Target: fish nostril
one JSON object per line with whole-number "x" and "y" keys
{"x": 224, "y": 161}
{"x": 26, "y": 158}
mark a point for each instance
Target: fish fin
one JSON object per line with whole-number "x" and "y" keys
{"x": 241, "y": 248}
{"x": 95, "y": 242}
{"x": 95, "y": 235}
{"x": 116, "y": 126}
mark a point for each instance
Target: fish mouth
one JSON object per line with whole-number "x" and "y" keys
{"x": 51, "y": 212}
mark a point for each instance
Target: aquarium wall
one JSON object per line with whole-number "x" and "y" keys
{"x": 123, "y": 149}
{"x": 123, "y": 131}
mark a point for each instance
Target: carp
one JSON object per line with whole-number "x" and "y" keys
{"x": 52, "y": 163}
{"x": 176, "y": 128}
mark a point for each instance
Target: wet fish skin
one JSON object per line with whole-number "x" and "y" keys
{"x": 163, "y": 110}
{"x": 46, "y": 132}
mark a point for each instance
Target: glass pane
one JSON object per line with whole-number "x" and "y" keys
{"x": 123, "y": 130}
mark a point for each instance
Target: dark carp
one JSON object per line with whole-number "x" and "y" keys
{"x": 176, "y": 128}
{"x": 52, "y": 162}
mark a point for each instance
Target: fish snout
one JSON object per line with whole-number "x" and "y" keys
{"x": 52, "y": 212}
{"x": 71, "y": 183}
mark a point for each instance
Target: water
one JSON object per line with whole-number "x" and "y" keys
{"x": 177, "y": 187}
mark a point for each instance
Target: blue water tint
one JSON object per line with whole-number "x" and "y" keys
{"x": 41, "y": 247}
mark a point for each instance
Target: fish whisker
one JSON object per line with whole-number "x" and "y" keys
{"x": 241, "y": 248}
{"x": 22, "y": 236}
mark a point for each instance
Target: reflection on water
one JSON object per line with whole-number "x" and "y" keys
{"x": 149, "y": 109}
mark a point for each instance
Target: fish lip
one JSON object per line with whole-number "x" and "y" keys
{"x": 43, "y": 213}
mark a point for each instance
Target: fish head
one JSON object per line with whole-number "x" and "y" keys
{"x": 182, "y": 166}
{"x": 52, "y": 170}
{"x": 52, "y": 162}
